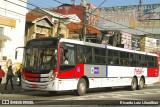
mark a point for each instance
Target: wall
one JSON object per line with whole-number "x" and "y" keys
{"x": 148, "y": 44}
{"x": 131, "y": 19}
{"x": 126, "y": 40}
{"x": 15, "y": 31}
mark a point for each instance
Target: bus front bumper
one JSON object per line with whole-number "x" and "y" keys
{"x": 47, "y": 86}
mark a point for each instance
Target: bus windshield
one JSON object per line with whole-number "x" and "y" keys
{"x": 40, "y": 58}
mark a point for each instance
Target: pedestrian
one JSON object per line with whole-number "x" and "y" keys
{"x": 19, "y": 74}
{"x": 9, "y": 77}
{"x": 2, "y": 74}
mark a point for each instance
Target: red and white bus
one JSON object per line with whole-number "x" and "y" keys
{"x": 90, "y": 65}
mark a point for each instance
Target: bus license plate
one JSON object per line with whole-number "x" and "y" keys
{"x": 35, "y": 85}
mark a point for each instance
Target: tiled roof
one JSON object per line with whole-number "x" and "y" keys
{"x": 32, "y": 16}
{"x": 77, "y": 27}
{"x": 70, "y": 9}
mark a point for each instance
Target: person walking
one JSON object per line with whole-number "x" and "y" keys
{"x": 19, "y": 74}
{"x": 9, "y": 77}
{"x": 2, "y": 74}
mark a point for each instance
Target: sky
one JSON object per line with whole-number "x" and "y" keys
{"x": 107, "y": 3}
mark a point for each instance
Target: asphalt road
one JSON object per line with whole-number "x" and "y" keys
{"x": 100, "y": 97}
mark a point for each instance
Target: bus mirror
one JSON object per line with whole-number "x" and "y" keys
{"x": 16, "y": 54}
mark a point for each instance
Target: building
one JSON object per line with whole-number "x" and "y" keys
{"x": 45, "y": 23}
{"x": 75, "y": 30}
{"x": 142, "y": 21}
{"x": 12, "y": 28}
{"x": 76, "y": 26}
{"x": 38, "y": 26}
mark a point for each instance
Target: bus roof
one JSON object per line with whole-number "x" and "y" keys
{"x": 104, "y": 46}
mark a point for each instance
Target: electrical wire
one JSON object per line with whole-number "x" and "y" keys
{"x": 12, "y": 11}
{"x": 97, "y": 7}
{"x": 113, "y": 21}
{"x": 92, "y": 14}
{"x": 21, "y": 14}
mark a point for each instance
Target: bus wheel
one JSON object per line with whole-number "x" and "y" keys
{"x": 133, "y": 84}
{"x": 141, "y": 84}
{"x": 52, "y": 92}
{"x": 81, "y": 87}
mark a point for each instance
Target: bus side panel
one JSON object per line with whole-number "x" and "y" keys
{"x": 152, "y": 76}
{"x": 79, "y": 70}
{"x": 72, "y": 73}
{"x": 95, "y": 71}
{"x": 68, "y": 79}
{"x": 152, "y": 72}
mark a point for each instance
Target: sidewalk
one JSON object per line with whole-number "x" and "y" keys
{"x": 17, "y": 89}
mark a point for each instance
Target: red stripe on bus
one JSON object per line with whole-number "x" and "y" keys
{"x": 152, "y": 72}
{"x": 72, "y": 73}
{"x": 30, "y": 77}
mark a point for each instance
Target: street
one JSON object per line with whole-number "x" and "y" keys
{"x": 92, "y": 97}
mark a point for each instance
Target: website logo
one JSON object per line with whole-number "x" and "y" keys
{"x": 5, "y": 101}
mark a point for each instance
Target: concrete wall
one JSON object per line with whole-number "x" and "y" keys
{"x": 131, "y": 19}
{"x": 14, "y": 10}
{"x": 16, "y": 33}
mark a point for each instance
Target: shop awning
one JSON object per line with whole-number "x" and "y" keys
{"x": 3, "y": 37}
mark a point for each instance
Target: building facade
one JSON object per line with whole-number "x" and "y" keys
{"x": 76, "y": 26}
{"x": 142, "y": 21}
{"x": 12, "y": 28}
{"x": 43, "y": 23}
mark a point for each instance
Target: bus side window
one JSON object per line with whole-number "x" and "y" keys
{"x": 69, "y": 54}
{"x": 61, "y": 56}
{"x": 110, "y": 57}
{"x": 110, "y": 60}
{"x": 80, "y": 54}
{"x": 80, "y": 59}
{"x": 155, "y": 60}
{"x": 124, "y": 62}
{"x": 124, "y": 58}
{"x": 132, "y": 59}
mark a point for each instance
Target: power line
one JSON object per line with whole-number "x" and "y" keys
{"x": 43, "y": 13}
{"x": 32, "y": 4}
{"x": 85, "y": 19}
{"x": 97, "y": 7}
{"x": 92, "y": 14}
{"x": 75, "y": 8}
{"x": 32, "y": 9}
{"x": 28, "y": 3}
{"x": 112, "y": 21}
{"x": 17, "y": 4}
{"x": 35, "y": 10}
{"x": 13, "y": 11}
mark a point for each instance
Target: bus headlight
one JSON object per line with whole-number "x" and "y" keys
{"x": 53, "y": 77}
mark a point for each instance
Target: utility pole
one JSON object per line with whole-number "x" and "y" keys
{"x": 140, "y": 2}
{"x": 84, "y": 4}
{"x": 58, "y": 28}
{"x": 139, "y": 9}
{"x": 84, "y": 25}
